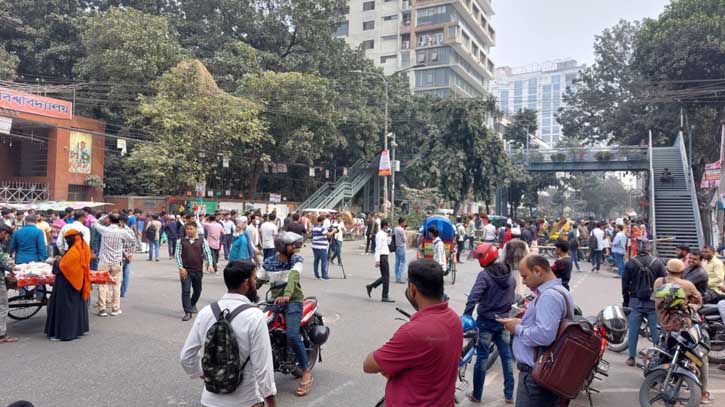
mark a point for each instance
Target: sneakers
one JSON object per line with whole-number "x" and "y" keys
{"x": 116, "y": 313}
{"x": 369, "y": 290}
{"x": 630, "y": 362}
{"x": 470, "y": 398}
{"x": 186, "y": 317}
{"x": 102, "y": 313}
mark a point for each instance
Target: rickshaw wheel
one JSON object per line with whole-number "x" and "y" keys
{"x": 21, "y": 307}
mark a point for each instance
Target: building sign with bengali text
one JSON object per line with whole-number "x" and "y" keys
{"x": 28, "y": 103}
{"x": 385, "y": 169}
{"x": 80, "y": 153}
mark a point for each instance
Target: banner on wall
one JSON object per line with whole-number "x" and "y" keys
{"x": 80, "y": 153}
{"x": 27, "y": 102}
{"x": 711, "y": 177}
{"x": 384, "y": 170}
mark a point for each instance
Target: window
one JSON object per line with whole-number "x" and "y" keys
{"x": 434, "y": 15}
{"x": 343, "y": 30}
{"x": 389, "y": 37}
{"x": 386, "y": 58}
{"x": 434, "y": 56}
{"x": 79, "y": 192}
{"x": 369, "y": 5}
{"x": 420, "y": 58}
{"x": 432, "y": 77}
{"x": 503, "y": 101}
{"x": 369, "y": 44}
{"x": 390, "y": 18}
{"x": 368, "y": 25}
{"x": 430, "y": 38}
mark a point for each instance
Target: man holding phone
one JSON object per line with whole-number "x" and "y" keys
{"x": 494, "y": 293}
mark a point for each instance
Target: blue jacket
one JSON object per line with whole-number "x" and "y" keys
{"x": 493, "y": 292}
{"x": 242, "y": 249}
{"x": 28, "y": 245}
{"x": 172, "y": 229}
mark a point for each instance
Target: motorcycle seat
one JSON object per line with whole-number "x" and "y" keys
{"x": 709, "y": 310}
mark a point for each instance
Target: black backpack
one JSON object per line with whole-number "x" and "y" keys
{"x": 643, "y": 284}
{"x": 151, "y": 231}
{"x": 221, "y": 364}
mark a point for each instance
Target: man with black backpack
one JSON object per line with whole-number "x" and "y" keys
{"x": 638, "y": 280}
{"x": 229, "y": 347}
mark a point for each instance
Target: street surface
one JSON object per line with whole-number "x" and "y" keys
{"x": 133, "y": 359}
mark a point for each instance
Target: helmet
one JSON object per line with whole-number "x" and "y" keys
{"x": 486, "y": 253}
{"x": 615, "y": 322}
{"x": 467, "y": 322}
{"x": 287, "y": 238}
{"x": 671, "y": 295}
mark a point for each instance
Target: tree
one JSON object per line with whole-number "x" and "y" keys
{"x": 523, "y": 124}
{"x": 8, "y": 65}
{"x": 125, "y": 51}
{"x": 463, "y": 155}
{"x": 195, "y": 124}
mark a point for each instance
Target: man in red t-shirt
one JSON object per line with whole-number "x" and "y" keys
{"x": 421, "y": 359}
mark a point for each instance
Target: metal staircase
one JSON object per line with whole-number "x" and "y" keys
{"x": 675, "y": 215}
{"x": 341, "y": 192}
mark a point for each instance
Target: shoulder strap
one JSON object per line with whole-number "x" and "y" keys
{"x": 639, "y": 264}
{"x": 569, "y": 314}
{"x": 216, "y": 310}
{"x": 238, "y": 311}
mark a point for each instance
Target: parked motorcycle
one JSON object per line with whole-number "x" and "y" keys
{"x": 312, "y": 328}
{"x": 672, "y": 369}
{"x": 713, "y": 325}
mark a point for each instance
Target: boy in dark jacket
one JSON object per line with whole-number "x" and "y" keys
{"x": 494, "y": 293}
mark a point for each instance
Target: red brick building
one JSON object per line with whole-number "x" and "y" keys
{"x": 46, "y": 152}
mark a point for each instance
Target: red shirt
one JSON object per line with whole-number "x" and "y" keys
{"x": 421, "y": 359}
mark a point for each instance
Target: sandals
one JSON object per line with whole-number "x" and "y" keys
{"x": 304, "y": 388}
{"x": 8, "y": 339}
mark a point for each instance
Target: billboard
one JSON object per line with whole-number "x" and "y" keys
{"x": 27, "y": 102}
{"x": 80, "y": 153}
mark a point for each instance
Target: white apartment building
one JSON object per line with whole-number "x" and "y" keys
{"x": 538, "y": 87}
{"x": 451, "y": 40}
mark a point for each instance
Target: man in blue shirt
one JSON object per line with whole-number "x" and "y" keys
{"x": 28, "y": 243}
{"x": 538, "y": 328}
{"x": 619, "y": 247}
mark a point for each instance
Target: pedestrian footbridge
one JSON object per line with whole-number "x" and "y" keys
{"x": 617, "y": 158}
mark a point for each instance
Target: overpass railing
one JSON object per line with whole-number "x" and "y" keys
{"x": 581, "y": 154}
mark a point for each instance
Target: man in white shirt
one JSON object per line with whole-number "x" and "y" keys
{"x": 268, "y": 232}
{"x": 79, "y": 220}
{"x": 598, "y": 251}
{"x": 250, "y": 329}
{"x": 229, "y": 225}
{"x": 489, "y": 231}
{"x": 382, "y": 252}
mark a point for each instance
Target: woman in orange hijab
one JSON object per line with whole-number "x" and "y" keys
{"x": 636, "y": 233}
{"x": 68, "y": 305}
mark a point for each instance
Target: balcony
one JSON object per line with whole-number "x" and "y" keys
{"x": 430, "y": 39}
{"x": 463, "y": 48}
{"x": 473, "y": 21}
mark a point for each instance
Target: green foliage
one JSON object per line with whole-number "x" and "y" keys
{"x": 523, "y": 123}
{"x": 125, "y": 47}
{"x": 195, "y": 124}
{"x": 8, "y": 65}
{"x": 603, "y": 155}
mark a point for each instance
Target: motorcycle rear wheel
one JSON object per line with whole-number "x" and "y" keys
{"x": 650, "y": 394}
{"x": 717, "y": 348}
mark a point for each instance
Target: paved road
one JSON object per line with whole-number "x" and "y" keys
{"x": 132, "y": 359}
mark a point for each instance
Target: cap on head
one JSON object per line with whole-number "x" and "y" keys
{"x": 675, "y": 266}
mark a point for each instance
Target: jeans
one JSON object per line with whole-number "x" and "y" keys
{"x": 320, "y": 257}
{"x": 461, "y": 247}
{"x": 215, "y": 258}
{"x": 336, "y": 251}
{"x": 493, "y": 332}
{"x": 172, "y": 247}
{"x": 370, "y": 244}
{"x": 529, "y": 394}
{"x": 720, "y": 307}
{"x": 471, "y": 242}
{"x": 94, "y": 263}
{"x": 399, "y": 263}
{"x": 268, "y": 253}
{"x": 154, "y": 249}
{"x": 227, "y": 243}
{"x": 126, "y": 275}
{"x": 619, "y": 261}
{"x": 189, "y": 300}
{"x": 3, "y": 307}
{"x": 640, "y": 309}
{"x": 384, "y": 275}
{"x": 597, "y": 259}
{"x": 575, "y": 259}
{"x": 293, "y": 316}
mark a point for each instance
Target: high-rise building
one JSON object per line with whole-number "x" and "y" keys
{"x": 451, "y": 40}
{"x": 538, "y": 87}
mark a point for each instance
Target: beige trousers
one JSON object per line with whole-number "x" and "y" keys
{"x": 110, "y": 295}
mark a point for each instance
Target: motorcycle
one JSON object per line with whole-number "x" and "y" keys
{"x": 312, "y": 329}
{"x": 712, "y": 323}
{"x": 672, "y": 368}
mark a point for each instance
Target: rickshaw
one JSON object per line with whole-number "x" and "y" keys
{"x": 448, "y": 236}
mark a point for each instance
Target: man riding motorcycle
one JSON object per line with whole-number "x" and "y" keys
{"x": 283, "y": 271}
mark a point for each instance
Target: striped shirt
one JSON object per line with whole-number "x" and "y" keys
{"x": 114, "y": 242}
{"x": 319, "y": 237}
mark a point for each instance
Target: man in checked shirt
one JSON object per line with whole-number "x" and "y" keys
{"x": 110, "y": 258}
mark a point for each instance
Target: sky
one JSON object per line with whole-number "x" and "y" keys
{"x": 534, "y": 31}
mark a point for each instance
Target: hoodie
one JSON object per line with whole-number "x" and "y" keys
{"x": 493, "y": 292}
